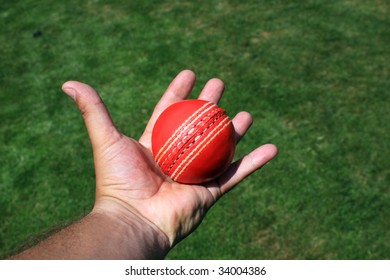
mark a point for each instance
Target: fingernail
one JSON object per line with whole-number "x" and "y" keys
{"x": 70, "y": 92}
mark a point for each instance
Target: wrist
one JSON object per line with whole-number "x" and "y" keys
{"x": 140, "y": 238}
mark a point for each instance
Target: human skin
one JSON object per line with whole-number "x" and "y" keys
{"x": 140, "y": 213}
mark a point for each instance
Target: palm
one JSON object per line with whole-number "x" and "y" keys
{"x": 127, "y": 173}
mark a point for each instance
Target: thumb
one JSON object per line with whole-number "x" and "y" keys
{"x": 101, "y": 129}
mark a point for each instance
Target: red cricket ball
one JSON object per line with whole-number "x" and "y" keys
{"x": 193, "y": 141}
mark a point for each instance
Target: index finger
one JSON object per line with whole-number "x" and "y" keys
{"x": 179, "y": 89}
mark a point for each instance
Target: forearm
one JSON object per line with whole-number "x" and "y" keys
{"x": 103, "y": 234}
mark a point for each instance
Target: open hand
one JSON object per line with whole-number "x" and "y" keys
{"x": 129, "y": 182}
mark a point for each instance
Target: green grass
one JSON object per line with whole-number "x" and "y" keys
{"x": 314, "y": 74}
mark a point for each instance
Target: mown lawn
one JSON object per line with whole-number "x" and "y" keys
{"x": 314, "y": 74}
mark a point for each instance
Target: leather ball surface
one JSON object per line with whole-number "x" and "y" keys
{"x": 193, "y": 141}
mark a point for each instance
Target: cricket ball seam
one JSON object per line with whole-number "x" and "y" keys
{"x": 176, "y": 135}
{"x": 190, "y": 158}
{"x": 188, "y": 132}
{"x": 197, "y": 137}
{"x": 190, "y": 129}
